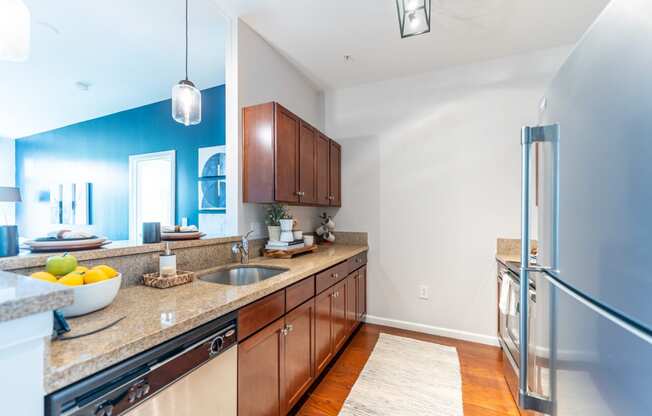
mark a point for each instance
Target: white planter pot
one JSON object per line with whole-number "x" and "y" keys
{"x": 274, "y": 232}
{"x": 286, "y": 225}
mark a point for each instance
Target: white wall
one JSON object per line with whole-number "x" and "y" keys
{"x": 431, "y": 170}
{"x": 7, "y": 177}
{"x": 265, "y": 75}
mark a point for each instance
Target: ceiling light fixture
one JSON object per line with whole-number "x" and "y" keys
{"x": 413, "y": 17}
{"x": 186, "y": 98}
{"x": 15, "y": 28}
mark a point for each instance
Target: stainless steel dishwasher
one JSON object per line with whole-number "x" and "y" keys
{"x": 193, "y": 374}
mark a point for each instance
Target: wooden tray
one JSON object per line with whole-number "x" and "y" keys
{"x": 288, "y": 254}
{"x": 155, "y": 280}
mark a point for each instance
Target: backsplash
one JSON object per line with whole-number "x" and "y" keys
{"x": 134, "y": 261}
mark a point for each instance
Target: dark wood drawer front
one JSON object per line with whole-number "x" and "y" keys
{"x": 298, "y": 293}
{"x": 329, "y": 277}
{"x": 257, "y": 315}
{"x": 357, "y": 261}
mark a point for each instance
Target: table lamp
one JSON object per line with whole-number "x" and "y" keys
{"x": 9, "y": 233}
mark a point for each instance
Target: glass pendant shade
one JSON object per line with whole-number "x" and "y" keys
{"x": 186, "y": 103}
{"x": 14, "y": 31}
{"x": 413, "y": 17}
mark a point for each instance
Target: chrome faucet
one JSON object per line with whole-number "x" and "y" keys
{"x": 242, "y": 248}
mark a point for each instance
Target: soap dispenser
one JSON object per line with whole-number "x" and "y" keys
{"x": 168, "y": 263}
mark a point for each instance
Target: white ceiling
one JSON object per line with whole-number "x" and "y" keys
{"x": 316, "y": 34}
{"x": 131, "y": 52}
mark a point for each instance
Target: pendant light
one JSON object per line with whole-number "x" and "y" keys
{"x": 14, "y": 31}
{"x": 186, "y": 98}
{"x": 413, "y": 17}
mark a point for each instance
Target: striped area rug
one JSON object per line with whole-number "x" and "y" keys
{"x": 407, "y": 377}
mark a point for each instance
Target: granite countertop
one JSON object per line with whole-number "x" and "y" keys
{"x": 157, "y": 315}
{"x": 22, "y": 296}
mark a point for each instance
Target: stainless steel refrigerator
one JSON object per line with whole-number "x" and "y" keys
{"x": 588, "y": 184}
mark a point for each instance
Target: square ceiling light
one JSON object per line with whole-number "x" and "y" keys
{"x": 413, "y": 17}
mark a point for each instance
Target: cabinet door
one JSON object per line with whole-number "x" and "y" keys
{"x": 299, "y": 370}
{"x": 323, "y": 330}
{"x": 287, "y": 156}
{"x": 361, "y": 305}
{"x": 335, "y": 174}
{"x": 323, "y": 170}
{"x": 339, "y": 315}
{"x": 351, "y": 298}
{"x": 260, "y": 360}
{"x": 307, "y": 164}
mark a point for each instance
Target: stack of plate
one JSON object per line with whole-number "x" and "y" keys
{"x": 182, "y": 235}
{"x": 55, "y": 244}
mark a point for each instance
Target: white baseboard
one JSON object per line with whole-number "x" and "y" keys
{"x": 434, "y": 330}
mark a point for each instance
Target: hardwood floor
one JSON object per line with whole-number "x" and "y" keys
{"x": 484, "y": 390}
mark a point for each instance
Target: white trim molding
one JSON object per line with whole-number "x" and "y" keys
{"x": 434, "y": 330}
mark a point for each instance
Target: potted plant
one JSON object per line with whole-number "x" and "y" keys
{"x": 275, "y": 213}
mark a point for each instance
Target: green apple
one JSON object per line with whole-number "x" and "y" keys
{"x": 61, "y": 265}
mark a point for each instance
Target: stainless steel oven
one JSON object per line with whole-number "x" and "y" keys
{"x": 509, "y": 327}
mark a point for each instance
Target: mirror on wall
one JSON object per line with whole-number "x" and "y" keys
{"x": 86, "y": 127}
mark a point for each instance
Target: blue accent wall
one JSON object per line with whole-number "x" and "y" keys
{"x": 98, "y": 150}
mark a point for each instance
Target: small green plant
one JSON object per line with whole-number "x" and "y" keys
{"x": 276, "y": 213}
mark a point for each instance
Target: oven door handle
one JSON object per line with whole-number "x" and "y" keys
{"x": 530, "y": 135}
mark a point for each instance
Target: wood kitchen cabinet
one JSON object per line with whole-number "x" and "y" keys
{"x": 361, "y": 304}
{"x": 323, "y": 170}
{"x": 351, "y": 299}
{"x": 335, "y": 175}
{"x": 299, "y": 370}
{"x": 323, "y": 330}
{"x": 260, "y": 360}
{"x": 289, "y": 337}
{"x": 287, "y": 160}
{"x": 339, "y": 315}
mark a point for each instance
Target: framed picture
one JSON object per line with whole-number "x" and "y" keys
{"x": 212, "y": 194}
{"x": 212, "y": 161}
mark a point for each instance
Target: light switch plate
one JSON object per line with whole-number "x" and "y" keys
{"x": 423, "y": 292}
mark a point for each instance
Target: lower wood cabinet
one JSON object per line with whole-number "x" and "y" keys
{"x": 339, "y": 315}
{"x": 299, "y": 370}
{"x": 351, "y": 300}
{"x": 323, "y": 329}
{"x": 361, "y": 304}
{"x": 260, "y": 360}
{"x": 278, "y": 362}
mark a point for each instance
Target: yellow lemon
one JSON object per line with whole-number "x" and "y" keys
{"x": 44, "y": 276}
{"x": 94, "y": 276}
{"x": 72, "y": 279}
{"x": 80, "y": 269}
{"x": 109, "y": 272}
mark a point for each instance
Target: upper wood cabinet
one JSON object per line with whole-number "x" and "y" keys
{"x": 335, "y": 175}
{"x": 287, "y": 160}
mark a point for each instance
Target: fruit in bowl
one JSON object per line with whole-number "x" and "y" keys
{"x": 93, "y": 288}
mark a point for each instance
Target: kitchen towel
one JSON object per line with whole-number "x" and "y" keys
{"x": 406, "y": 377}
{"x": 505, "y": 289}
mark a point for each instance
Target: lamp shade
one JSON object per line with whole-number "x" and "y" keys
{"x": 14, "y": 31}
{"x": 9, "y": 194}
{"x": 413, "y": 17}
{"x": 186, "y": 103}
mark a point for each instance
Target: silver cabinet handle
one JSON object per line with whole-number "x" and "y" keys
{"x": 290, "y": 327}
{"x": 335, "y": 275}
{"x": 531, "y": 135}
{"x": 284, "y": 332}
{"x": 299, "y": 193}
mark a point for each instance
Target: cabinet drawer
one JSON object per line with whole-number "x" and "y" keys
{"x": 255, "y": 316}
{"x": 357, "y": 261}
{"x": 298, "y": 293}
{"x": 329, "y": 277}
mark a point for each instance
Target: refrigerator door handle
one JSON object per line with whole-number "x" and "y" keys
{"x": 530, "y": 135}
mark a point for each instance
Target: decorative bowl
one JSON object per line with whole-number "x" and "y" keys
{"x": 92, "y": 297}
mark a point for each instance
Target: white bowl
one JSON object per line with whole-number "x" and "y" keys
{"x": 92, "y": 297}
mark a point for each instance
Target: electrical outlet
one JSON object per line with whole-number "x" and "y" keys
{"x": 423, "y": 292}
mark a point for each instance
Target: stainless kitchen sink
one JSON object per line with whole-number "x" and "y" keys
{"x": 242, "y": 275}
